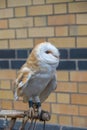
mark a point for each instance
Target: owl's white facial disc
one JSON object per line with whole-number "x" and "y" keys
{"x": 47, "y": 53}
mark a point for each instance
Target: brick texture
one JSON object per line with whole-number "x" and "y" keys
{"x": 61, "y": 31}
{"x": 26, "y": 23}
{"x": 6, "y": 105}
{"x": 63, "y": 98}
{"x": 21, "y": 22}
{"x": 78, "y": 7}
{"x": 3, "y": 44}
{"x": 64, "y": 120}
{"x": 65, "y": 109}
{"x": 67, "y": 87}
{"x": 58, "y": 1}
{"x": 80, "y": 121}
{"x": 81, "y": 18}
{"x": 3, "y": 4}
{"x": 16, "y": 3}
{"x": 83, "y": 88}
{"x": 7, "y": 34}
{"x": 41, "y": 32}
{"x": 21, "y": 11}
{"x": 5, "y": 84}
{"x": 3, "y": 24}
{"x": 21, "y": 43}
{"x": 60, "y": 8}
{"x": 81, "y": 42}
{"x": 78, "y": 99}
{"x": 78, "y": 76}
{"x": 68, "y": 42}
{"x": 6, "y": 13}
{"x": 40, "y": 21}
{"x": 40, "y": 10}
{"x": 61, "y": 20}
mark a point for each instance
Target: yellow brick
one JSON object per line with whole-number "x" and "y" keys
{"x": 7, "y": 34}
{"x": 6, "y": 13}
{"x": 63, "y": 98}
{"x": 83, "y": 110}
{"x": 41, "y": 32}
{"x": 3, "y": 44}
{"x": 19, "y": 105}
{"x": 63, "y": 42}
{"x": 7, "y": 74}
{"x": 82, "y": 30}
{"x": 57, "y": 1}
{"x": 62, "y": 76}
{"x": 51, "y": 98}
{"x": 80, "y": 121}
{"x": 2, "y": 3}
{"x": 40, "y": 10}
{"x": 81, "y": 18}
{"x": 82, "y": 42}
{"x": 3, "y": 24}
{"x": 6, "y": 105}
{"x": 66, "y": 87}
{"x": 21, "y": 22}
{"x": 40, "y": 21}
{"x": 21, "y": 11}
{"x": 73, "y": 30}
{"x": 23, "y": 43}
{"x": 78, "y": 7}
{"x": 61, "y": 19}
{"x": 15, "y": 3}
{"x": 78, "y": 30}
{"x": 79, "y": 99}
{"x": 46, "y": 106}
{"x": 60, "y": 8}
{"x": 65, "y": 109}
{"x": 83, "y": 88}
{"x": 54, "y": 119}
{"x": 65, "y": 120}
{"x": 37, "y": 2}
{"x": 6, "y": 94}
{"x": 39, "y": 40}
{"x": 21, "y": 33}
{"x": 78, "y": 76}
{"x": 5, "y": 84}
{"x": 61, "y": 31}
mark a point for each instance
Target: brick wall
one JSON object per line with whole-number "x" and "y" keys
{"x": 25, "y": 23}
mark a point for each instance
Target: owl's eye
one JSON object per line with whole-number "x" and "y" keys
{"x": 47, "y": 52}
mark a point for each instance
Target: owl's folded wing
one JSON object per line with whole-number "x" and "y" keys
{"x": 21, "y": 81}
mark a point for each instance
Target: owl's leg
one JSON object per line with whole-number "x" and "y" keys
{"x": 38, "y": 104}
{"x": 31, "y": 109}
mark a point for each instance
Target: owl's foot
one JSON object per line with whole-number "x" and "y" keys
{"x": 31, "y": 112}
{"x": 38, "y": 108}
{"x": 31, "y": 109}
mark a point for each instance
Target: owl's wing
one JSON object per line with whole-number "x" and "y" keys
{"x": 21, "y": 81}
{"x": 49, "y": 88}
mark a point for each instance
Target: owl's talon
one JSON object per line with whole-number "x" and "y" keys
{"x": 31, "y": 109}
{"x": 38, "y": 108}
{"x": 31, "y": 112}
{"x": 39, "y": 111}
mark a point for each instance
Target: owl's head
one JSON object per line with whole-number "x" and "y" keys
{"x": 47, "y": 53}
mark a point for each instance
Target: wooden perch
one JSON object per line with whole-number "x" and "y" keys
{"x": 13, "y": 114}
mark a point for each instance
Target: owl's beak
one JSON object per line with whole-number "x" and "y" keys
{"x": 58, "y": 57}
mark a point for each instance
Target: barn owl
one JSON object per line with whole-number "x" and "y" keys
{"x": 36, "y": 78}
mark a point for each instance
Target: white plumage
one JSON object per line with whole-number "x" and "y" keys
{"x": 36, "y": 79}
